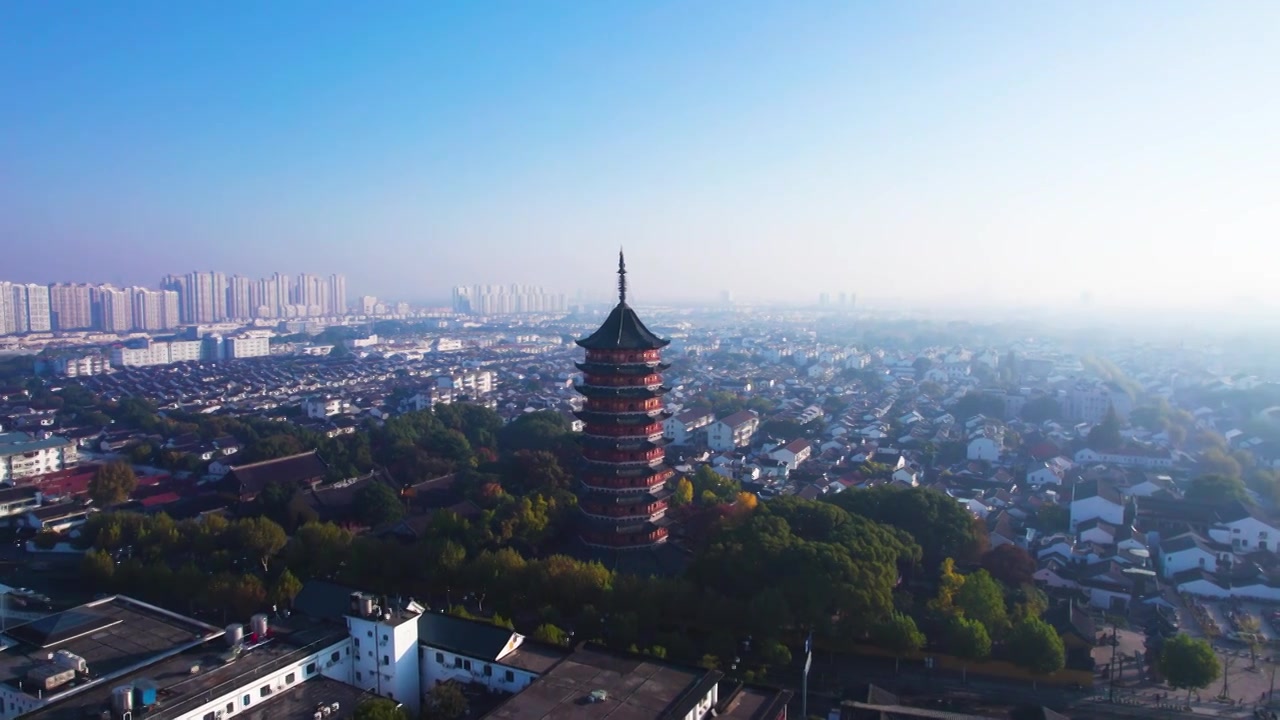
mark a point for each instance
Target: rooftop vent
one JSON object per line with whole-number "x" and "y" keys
{"x": 598, "y": 696}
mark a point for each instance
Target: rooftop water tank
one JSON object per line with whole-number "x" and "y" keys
{"x": 235, "y": 634}
{"x": 122, "y": 700}
{"x": 258, "y": 624}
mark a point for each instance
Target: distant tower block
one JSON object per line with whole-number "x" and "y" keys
{"x": 623, "y": 489}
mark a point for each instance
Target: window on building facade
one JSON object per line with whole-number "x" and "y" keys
{"x": 488, "y": 670}
{"x": 356, "y": 642}
{"x": 209, "y": 715}
{"x": 335, "y": 657}
{"x": 264, "y": 691}
{"x": 511, "y": 676}
{"x": 290, "y": 678}
{"x": 457, "y": 662}
{"x": 359, "y": 677}
{"x": 440, "y": 658}
{"x": 231, "y": 708}
{"x": 245, "y": 701}
{"x": 311, "y": 668}
{"x": 386, "y": 660}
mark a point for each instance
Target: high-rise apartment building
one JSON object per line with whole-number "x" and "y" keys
{"x": 506, "y": 300}
{"x": 24, "y": 308}
{"x": 71, "y": 306}
{"x": 337, "y": 295}
{"x": 38, "y": 317}
{"x": 154, "y": 310}
{"x": 239, "y": 303}
{"x": 113, "y": 308}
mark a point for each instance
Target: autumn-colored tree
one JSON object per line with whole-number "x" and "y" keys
{"x": 683, "y": 494}
{"x": 112, "y": 483}
{"x": 949, "y": 584}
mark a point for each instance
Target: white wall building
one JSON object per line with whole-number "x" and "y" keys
{"x": 1095, "y": 499}
{"x": 246, "y": 347}
{"x": 22, "y": 455}
{"x": 733, "y": 432}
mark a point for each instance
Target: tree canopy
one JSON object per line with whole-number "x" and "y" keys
{"x": 967, "y": 639}
{"x": 981, "y": 598}
{"x": 1217, "y": 490}
{"x": 379, "y": 708}
{"x": 1106, "y": 434}
{"x": 1038, "y": 410}
{"x": 113, "y": 483}
{"x": 1036, "y": 646}
{"x": 978, "y": 403}
{"x": 899, "y": 635}
{"x": 1009, "y": 564}
{"x": 814, "y": 558}
{"x": 1188, "y": 663}
{"x": 938, "y": 524}
{"x": 376, "y": 504}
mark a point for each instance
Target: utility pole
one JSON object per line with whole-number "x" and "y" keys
{"x": 1111, "y": 669}
{"x": 1272, "y": 690}
{"x": 804, "y": 683}
{"x": 1227, "y": 661}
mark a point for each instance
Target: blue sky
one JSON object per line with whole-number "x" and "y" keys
{"x": 939, "y": 151}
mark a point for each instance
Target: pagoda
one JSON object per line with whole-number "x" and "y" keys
{"x": 622, "y": 494}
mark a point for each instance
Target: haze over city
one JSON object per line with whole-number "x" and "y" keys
{"x": 990, "y": 152}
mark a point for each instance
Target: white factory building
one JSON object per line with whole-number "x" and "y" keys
{"x": 118, "y": 658}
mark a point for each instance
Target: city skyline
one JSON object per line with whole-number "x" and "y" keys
{"x": 1024, "y": 153}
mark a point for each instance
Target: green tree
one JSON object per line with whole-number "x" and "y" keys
{"x": 1106, "y": 434}
{"x": 112, "y": 483}
{"x": 376, "y": 504}
{"x": 981, "y": 598}
{"x": 261, "y": 537}
{"x": 939, "y": 524}
{"x": 380, "y": 709}
{"x": 97, "y": 568}
{"x": 1187, "y": 662}
{"x": 1053, "y": 518}
{"x": 1036, "y": 646}
{"x": 969, "y": 642}
{"x": 46, "y": 539}
{"x": 549, "y": 633}
{"x": 1217, "y": 489}
{"x": 899, "y": 635}
{"x": 1038, "y": 410}
{"x": 285, "y": 588}
{"x": 711, "y": 487}
{"x": 978, "y": 403}
{"x": 445, "y": 701}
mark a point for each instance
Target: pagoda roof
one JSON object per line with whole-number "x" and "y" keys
{"x": 623, "y": 330}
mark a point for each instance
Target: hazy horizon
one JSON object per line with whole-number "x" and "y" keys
{"x": 923, "y": 152}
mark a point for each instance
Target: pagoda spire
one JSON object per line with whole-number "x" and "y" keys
{"x": 622, "y": 278}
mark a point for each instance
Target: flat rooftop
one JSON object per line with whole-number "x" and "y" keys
{"x": 302, "y": 700}
{"x": 189, "y": 677}
{"x": 752, "y": 704}
{"x": 636, "y": 689}
{"x": 534, "y": 658}
{"x": 112, "y": 635}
